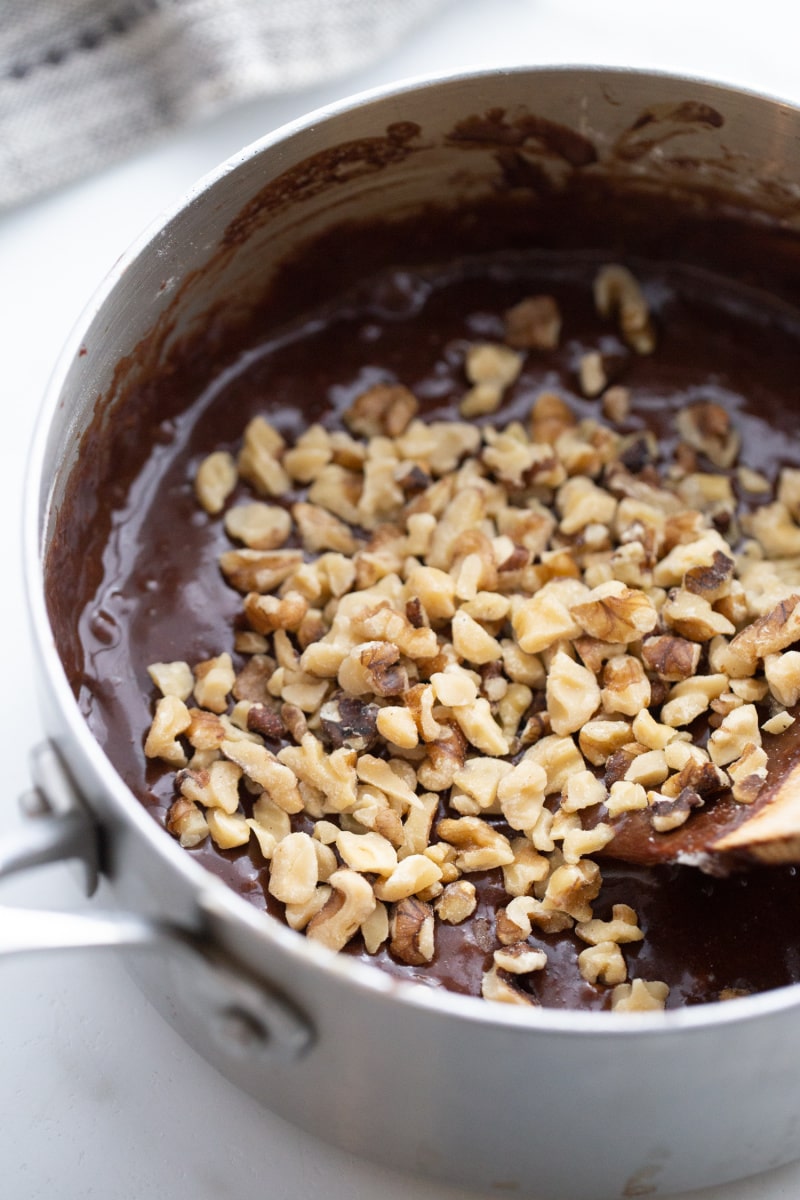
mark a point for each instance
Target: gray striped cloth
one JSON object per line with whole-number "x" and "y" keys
{"x": 84, "y": 82}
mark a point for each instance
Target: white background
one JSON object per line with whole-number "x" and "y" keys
{"x": 98, "y": 1098}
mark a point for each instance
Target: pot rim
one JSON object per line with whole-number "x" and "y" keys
{"x": 210, "y": 891}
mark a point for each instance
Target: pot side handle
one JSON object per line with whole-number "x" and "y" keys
{"x": 247, "y": 1014}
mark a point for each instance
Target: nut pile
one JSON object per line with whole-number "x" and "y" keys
{"x": 476, "y": 648}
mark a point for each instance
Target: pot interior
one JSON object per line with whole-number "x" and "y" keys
{"x": 564, "y": 167}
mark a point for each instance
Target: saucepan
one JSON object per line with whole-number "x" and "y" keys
{"x": 537, "y": 1102}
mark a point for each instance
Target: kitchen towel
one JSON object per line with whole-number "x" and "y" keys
{"x": 84, "y": 82}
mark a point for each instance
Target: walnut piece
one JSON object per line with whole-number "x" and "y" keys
{"x": 533, "y": 324}
{"x": 214, "y": 481}
{"x": 384, "y": 409}
{"x": 617, "y": 293}
{"x": 639, "y": 996}
{"x": 347, "y": 908}
{"x": 412, "y": 932}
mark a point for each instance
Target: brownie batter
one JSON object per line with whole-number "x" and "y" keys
{"x": 153, "y": 591}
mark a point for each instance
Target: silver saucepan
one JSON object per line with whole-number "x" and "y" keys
{"x": 544, "y": 1102}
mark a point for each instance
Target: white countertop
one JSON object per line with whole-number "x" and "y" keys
{"x": 98, "y": 1097}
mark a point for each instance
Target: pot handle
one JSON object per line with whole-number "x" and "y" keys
{"x": 248, "y": 1014}
{"x": 61, "y": 827}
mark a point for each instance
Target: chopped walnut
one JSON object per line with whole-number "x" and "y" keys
{"x": 259, "y": 459}
{"x": 625, "y": 795}
{"x": 293, "y": 873}
{"x": 412, "y": 932}
{"x": 396, "y": 725}
{"x": 482, "y": 398}
{"x": 649, "y": 768}
{"x": 712, "y": 582}
{"x": 782, "y": 673}
{"x": 533, "y": 324}
{"x": 492, "y": 362}
{"x": 270, "y": 823}
{"x": 521, "y": 793}
{"x": 692, "y": 617}
{"x": 259, "y": 526}
{"x": 691, "y": 697}
{"x": 457, "y": 902}
{"x": 626, "y": 688}
{"x": 778, "y": 723}
{"x": 477, "y": 646}
{"x": 668, "y": 812}
{"x": 671, "y": 658}
{"x": 749, "y": 773}
{"x": 214, "y": 786}
{"x": 572, "y": 887}
{"x": 214, "y": 680}
{"x": 591, "y": 373}
{"x": 409, "y": 877}
{"x": 738, "y": 730}
{"x": 774, "y": 528}
{"x": 768, "y": 634}
{"x": 472, "y": 642}
{"x": 298, "y": 916}
{"x": 347, "y": 908}
{"x": 311, "y": 452}
{"x": 707, "y": 427}
{"x": 603, "y": 963}
{"x": 617, "y": 293}
{"x": 206, "y": 731}
{"x": 529, "y": 867}
{"x": 333, "y": 775}
{"x": 228, "y": 830}
{"x": 734, "y": 993}
{"x": 560, "y": 758}
{"x": 599, "y": 739}
{"x": 520, "y": 959}
{"x": 651, "y": 733}
{"x": 480, "y": 728}
{"x": 267, "y": 614}
{"x": 373, "y": 668}
{"x": 368, "y": 853}
{"x": 582, "y": 790}
{"x": 171, "y": 719}
{"x": 515, "y": 923}
{"x": 573, "y": 694}
{"x": 187, "y": 822}
{"x": 388, "y": 777}
{"x": 580, "y": 843}
{"x": 479, "y": 847}
{"x": 616, "y": 404}
{"x": 546, "y": 617}
{"x": 259, "y": 570}
{"x": 477, "y": 781}
{"x": 639, "y": 996}
{"x": 215, "y": 479}
{"x": 498, "y": 985}
{"x": 623, "y": 927}
{"x": 384, "y": 409}
{"x": 375, "y": 929}
{"x": 172, "y": 679}
{"x": 321, "y": 530}
{"x": 490, "y": 368}
{"x": 616, "y": 613}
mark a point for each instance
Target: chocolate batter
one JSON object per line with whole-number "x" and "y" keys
{"x": 152, "y": 591}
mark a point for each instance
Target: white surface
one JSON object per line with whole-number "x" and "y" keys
{"x": 98, "y": 1098}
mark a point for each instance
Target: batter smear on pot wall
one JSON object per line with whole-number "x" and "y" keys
{"x": 455, "y": 627}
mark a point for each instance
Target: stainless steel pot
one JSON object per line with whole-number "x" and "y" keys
{"x": 556, "y": 1104}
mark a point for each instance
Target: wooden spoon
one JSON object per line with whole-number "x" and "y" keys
{"x": 725, "y": 835}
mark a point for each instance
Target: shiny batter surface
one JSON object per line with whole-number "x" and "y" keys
{"x": 154, "y": 593}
